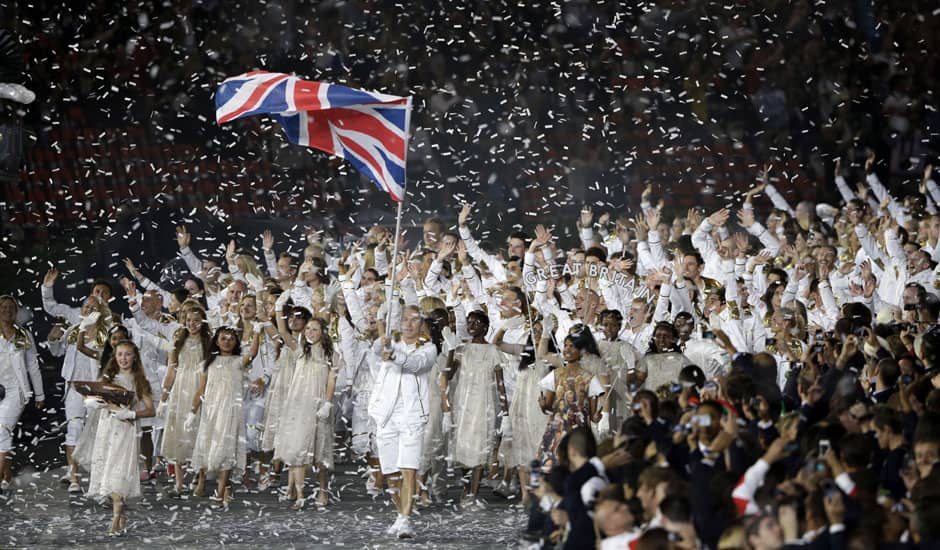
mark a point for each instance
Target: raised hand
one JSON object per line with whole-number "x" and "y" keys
{"x": 130, "y": 288}
{"x": 129, "y": 264}
{"x": 462, "y": 253}
{"x": 464, "y": 214}
{"x": 230, "y": 251}
{"x": 837, "y": 170}
{"x": 182, "y": 236}
{"x": 647, "y": 193}
{"x": 642, "y": 230}
{"x": 765, "y": 173}
{"x": 869, "y": 161}
{"x": 746, "y": 217}
{"x": 267, "y": 240}
{"x": 446, "y": 250}
{"x": 50, "y": 277}
{"x": 719, "y": 218}
{"x": 741, "y": 244}
{"x": 586, "y": 218}
{"x": 763, "y": 257}
{"x": 604, "y": 219}
{"x": 694, "y": 217}
{"x": 542, "y": 236}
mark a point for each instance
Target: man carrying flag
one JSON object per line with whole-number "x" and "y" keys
{"x": 370, "y": 130}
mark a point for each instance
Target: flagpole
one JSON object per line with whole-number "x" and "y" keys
{"x": 393, "y": 264}
{"x": 390, "y": 283}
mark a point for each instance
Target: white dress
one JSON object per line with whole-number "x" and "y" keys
{"x": 177, "y": 442}
{"x": 434, "y": 440}
{"x": 303, "y": 438}
{"x": 474, "y": 404}
{"x": 261, "y": 367}
{"x": 276, "y": 395}
{"x": 525, "y": 414}
{"x": 114, "y": 468}
{"x": 220, "y": 443}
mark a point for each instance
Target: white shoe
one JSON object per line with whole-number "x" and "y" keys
{"x": 17, "y": 93}
{"x": 405, "y": 531}
{"x": 393, "y": 530}
{"x": 4, "y": 485}
{"x": 74, "y": 487}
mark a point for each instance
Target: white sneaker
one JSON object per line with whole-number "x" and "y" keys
{"x": 4, "y": 485}
{"x": 393, "y": 530}
{"x": 405, "y": 531}
{"x": 74, "y": 487}
{"x": 264, "y": 483}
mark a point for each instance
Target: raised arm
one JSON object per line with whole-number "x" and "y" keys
{"x": 473, "y": 249}
{"x": 775, "y": 197}
{"x": 193, "y": 263}
{"x": 71, "y": 314}
{"x": 282, "y": 329}
{"x": 841, "y": 185}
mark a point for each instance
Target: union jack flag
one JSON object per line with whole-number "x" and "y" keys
{"x": 368, "y": 129}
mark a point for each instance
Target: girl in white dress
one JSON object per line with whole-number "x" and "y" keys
{"x": 114, "y": 468}
{"x": 19, "y": 368}
{"x": 297, "y": 319}
{"x": 525, "y": 415}
{"x": 473, "y": 401}
{"x": 82, "y": 455}
{"x": 305, "y": 431}
{"x": 220, "y": 442}
{"x": 184, "y": 373}
{"x": 254, "y": 318}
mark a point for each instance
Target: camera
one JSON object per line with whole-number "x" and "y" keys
{"x": 824, "y": 446}
{"x": 910, "y": 307}
{"x": 906, "y": 379}
{"x": 535, "y": 474}
{"x": 708, "y": 335}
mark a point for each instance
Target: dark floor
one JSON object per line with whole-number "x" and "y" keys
{"x": 38, "y": 512}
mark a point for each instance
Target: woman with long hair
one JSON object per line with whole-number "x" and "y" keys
{"x": 305, "y": 429}
{"x": 114, "y": 468}
{"x": 254, "y": 314}
{"x": 433, "y": 461}
{"x": 19, "y": 369}
{"x": 569, "y": 392}
{"x": 184, "y": 371}
{"x": 219, "y": 401}
{"x": 82, "y": 454}
{"x": 297, "y": 319}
